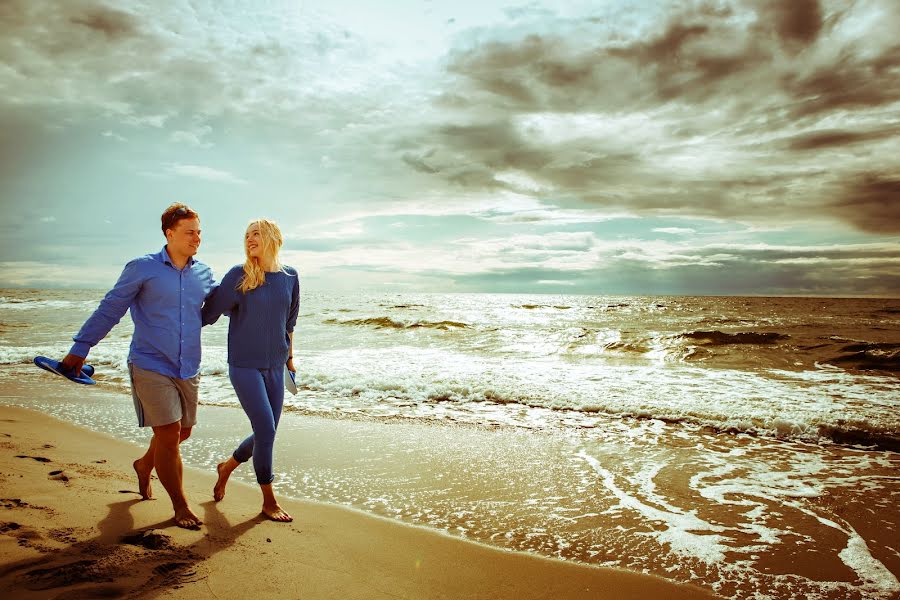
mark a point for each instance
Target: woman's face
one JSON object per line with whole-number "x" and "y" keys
{"x": 253, "y": 242}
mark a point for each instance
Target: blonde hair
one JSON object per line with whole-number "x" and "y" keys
{"x": 271, "y": 240}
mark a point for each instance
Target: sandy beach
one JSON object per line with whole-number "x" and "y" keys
{"x": 73, "y": 526}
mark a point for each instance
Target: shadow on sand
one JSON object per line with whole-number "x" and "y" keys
{"x": 122, "y": 561}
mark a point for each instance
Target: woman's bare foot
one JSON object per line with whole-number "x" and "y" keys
{"x": 270, "y": 505}
{"x": 186, "y": 519}
{"x": 224, "y": 470}
{"x": 276, "y": 513}
{"x": 143, "y": 474}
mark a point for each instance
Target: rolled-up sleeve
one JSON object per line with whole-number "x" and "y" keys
{"x": 111, "y": 310}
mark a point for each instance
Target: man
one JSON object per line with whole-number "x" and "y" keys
{"x": 165, "y": 292}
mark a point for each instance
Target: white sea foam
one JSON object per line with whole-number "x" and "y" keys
{"x": 680, "y": 526}
{"x": 725, "y": 400}
{"x": 876, "y": 578}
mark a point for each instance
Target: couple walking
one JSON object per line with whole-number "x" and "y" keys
{"x": 171, "y": 296}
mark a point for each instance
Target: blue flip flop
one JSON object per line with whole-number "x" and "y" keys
{"x": 54, "y": 366}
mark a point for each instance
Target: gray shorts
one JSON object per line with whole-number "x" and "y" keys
{"x": 161, "y": 400}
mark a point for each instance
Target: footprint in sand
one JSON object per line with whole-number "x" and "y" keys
{"x": 58, "y": 475}
{"x": 80, "y": 571}
{"x": 26, "y": 536}
{"x": 7, "y": 527}
{"x": 177, "y": 573}
{"x": 149, "y": 539}
{"x": 37, "y": 458}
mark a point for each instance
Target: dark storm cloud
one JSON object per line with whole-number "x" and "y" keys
{"x": 851, "y": 82}
{"x": 109, "y": 22}
{"x": 776, "y": 89}
{"x": 88, "y": 57}
{"x": 829, "y": 138}
{"x": 796, "y": 21}
{"x": 871, "y": 201}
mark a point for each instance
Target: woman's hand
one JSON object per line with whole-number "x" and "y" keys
{"x": 290, "y": 365}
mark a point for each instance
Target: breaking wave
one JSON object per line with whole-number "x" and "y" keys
{"x": 719, "y": 338}
{"x": 388, "y": 323}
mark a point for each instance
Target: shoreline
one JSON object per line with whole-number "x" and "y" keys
{"x": 641, "y": 498}
{"x": 72, "y": 525}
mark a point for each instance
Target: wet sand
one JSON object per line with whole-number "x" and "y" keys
{"x": 73, "y": 526}
{"x": 738, "y": 515}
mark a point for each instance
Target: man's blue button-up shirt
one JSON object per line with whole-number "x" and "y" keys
{"x": 165, "y": 305}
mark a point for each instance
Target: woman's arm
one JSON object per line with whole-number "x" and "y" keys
{"x": 292, "y": 318}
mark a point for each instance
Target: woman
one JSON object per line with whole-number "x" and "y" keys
{"x": 262, "y": 298}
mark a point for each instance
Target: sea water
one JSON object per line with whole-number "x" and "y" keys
{"x": 745, "y": 444}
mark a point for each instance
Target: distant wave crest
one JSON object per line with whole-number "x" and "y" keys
{"x": 720, "y": 338}
{"x": 882, "y": 356}
{"x": 388, "y": 323}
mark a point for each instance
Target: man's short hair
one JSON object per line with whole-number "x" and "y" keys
{"x": 176, "y": 212}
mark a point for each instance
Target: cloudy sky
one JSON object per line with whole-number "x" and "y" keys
{"x": 605, "y": 147}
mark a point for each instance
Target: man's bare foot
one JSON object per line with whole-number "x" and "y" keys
{"x": 186, "y": 519}
{"x": 224, "y": 474}
{"x": 276, "y": 513}
{"x": 144, "y": 476}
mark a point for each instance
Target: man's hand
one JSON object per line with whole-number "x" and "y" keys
{"x": 73, "y": 363}
{"x": 290, "y": 365}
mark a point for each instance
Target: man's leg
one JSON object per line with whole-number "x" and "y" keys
{"x": 167, "y": 460}
{"x": 144, "y": 465}
{"x": 144, "y": 469}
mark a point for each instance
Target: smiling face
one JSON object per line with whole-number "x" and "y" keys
{"x": 253, "y": 242}
{"x": 183, "y": 240}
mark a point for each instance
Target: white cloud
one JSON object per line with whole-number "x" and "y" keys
{"x": 115, "y": 136}
{"x": 555, "y": 282}
{"x": 207, "y": 173}
{"x": 675, "y": 230}
{"x": 193, "y": 137}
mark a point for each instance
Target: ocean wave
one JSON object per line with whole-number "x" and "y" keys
{"x": 720, "y": 338}
{"x": 388, "y": 323}
{"x": 637, "y": 346}
{"x": 464, "y": 399}
{"x": 534, "y": 306}
{"x": 878, "y": 356}
{"x": 9, "y": 303}
{"x": 402, "y": 306}
{"x": 849, "y": 434}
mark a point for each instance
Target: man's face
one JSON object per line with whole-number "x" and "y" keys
{"x": 185, "y": 237}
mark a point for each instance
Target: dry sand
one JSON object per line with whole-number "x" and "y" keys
{"x": 73, "y": 526}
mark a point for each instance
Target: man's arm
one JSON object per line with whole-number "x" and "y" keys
{"x": 111, "y": 310}
{"x": 221, "y": 300}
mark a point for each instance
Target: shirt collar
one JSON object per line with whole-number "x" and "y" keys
{"x": 163, "y": 257}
